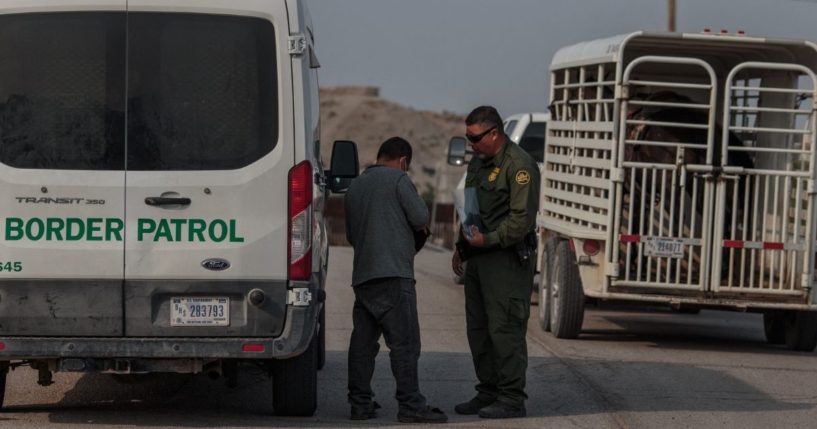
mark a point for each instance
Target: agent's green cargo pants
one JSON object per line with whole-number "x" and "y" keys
{"x": 497, "y": 307}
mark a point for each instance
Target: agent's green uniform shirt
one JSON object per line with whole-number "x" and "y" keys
{"x": 508, "y": 192}
{"x": 497, "y": 283}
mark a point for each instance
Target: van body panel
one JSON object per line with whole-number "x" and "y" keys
{"x": 25, "y": 6}
{"x": 238, "y": 215}
{"x": 59, "y": 308}
{"x": 61, "y": 181}
{"x": 246, "y": 320}
{"x": 307, "y": 128}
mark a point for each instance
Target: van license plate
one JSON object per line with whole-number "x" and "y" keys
{"x": 664, "y": 247}
{"x": 200, "y": 311}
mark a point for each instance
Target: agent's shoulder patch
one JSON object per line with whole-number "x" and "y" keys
{"x": 522, "y": 177}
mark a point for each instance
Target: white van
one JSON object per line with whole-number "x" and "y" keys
{"x": 163, "y": 191}
{"x": 680, "y": 171}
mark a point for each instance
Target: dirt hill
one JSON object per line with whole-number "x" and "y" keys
{"x": 361, "y": 115}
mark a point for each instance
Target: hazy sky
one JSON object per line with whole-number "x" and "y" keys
{"x": 457, "y": 54}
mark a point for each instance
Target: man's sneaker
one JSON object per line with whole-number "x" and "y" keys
{"x": 424, "y": 415}
{"x": 500, "y": 410}
{"x": 472, "y": 407}
{"x": 365, "y": 413}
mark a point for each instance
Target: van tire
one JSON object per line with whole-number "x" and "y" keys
{"x": 4, "y": 371}
{"x": 322, "y": 338}
{"x": 566, "y": 298}
{"x": 774, "y": 326}
{"x": 548, "y": 248}
{"x": 295, "y": 383}
{"x": 801, "y": 331}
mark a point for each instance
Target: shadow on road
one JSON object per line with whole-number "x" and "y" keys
{"x": 709, "y": 331}
{"x": 557, "y": 387}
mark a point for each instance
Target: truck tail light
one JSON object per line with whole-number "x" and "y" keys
{"x": 591, "y": 247}
{"x": 300, "y": 222}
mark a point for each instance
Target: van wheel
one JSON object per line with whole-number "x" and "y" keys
{"x": 566, "y": 294}
{"x": 801, "y": 330}
{"x": 322, "y": 338}
{"x": 774, "y": 326}
{"x": 548, "y": 249}
{"x": 4, "y": 372}
{"x": 295, "y": 383}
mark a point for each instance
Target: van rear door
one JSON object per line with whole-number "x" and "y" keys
{"x": 209, "y": 151}
{"x": 62, "y": 141}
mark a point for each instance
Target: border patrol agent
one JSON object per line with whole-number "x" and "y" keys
{"x": 499, "y": 244}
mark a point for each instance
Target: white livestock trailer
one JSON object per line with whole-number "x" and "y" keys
{"x": 680, "y": 171}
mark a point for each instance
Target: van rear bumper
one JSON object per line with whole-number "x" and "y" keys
{"x": 296, "y": 335}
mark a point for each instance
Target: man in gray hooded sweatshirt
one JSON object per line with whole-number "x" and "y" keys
{"x": 383, "y": 212}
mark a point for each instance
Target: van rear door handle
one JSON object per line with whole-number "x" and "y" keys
{"x": 166, "y": 201}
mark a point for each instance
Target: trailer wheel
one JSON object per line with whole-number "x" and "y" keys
{"x": 322, "y": 338}
{"x": 548, "y": 248}
{"x": 774, "y": 326}
{"x": 566, "y": 294}
{"x": 295, "y": 383}
{"x": 4, "y": 371}
{"x": 801, "y": 331}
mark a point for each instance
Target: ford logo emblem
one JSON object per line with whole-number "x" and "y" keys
{"x": 216, "y": 264}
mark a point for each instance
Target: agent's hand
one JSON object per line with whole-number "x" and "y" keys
{"x": 456, "y": 264}
{"x": 475, "y": 238}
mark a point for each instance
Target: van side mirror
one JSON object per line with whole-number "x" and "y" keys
{"x": 457, "y": 149}
{"x": 344, "y": 166}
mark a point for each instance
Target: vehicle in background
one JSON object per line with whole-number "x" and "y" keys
{"x": 163, "y": 191}
{"x": 680, "y": 171}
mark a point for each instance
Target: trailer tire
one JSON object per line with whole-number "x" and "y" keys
{"x": 295, "y": 383}
{"x": 322, "y": 338}
{"x": 801, "y": 331}
{"x": 774, "y": 326}
{"x": 548, "y": 248}
{"x": 566, "y": 298}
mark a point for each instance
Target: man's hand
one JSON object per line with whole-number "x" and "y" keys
{"x": 475, "y": 238}
{"x": 456, "y": 264}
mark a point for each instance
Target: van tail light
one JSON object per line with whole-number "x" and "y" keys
{"x": 252, "y": 348}
{"x": 300, "y": 222}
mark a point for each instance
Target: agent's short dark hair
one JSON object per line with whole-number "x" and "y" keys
{"x": 394, "y": 148}
{"x": 485, "y": 115}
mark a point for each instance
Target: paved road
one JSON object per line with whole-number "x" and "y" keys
{"x": 629, "y": 369}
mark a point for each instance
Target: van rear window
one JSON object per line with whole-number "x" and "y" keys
{"x": 202, "y": 91}
{"x": 142, "y": 91}
{"x": 62, "y": 91}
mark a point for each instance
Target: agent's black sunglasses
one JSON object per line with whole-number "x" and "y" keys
{"x": 480, "y": 136}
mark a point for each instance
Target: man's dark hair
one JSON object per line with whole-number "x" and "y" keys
{"x": 394, "y": 148}
{"x": 485, "y": 115}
